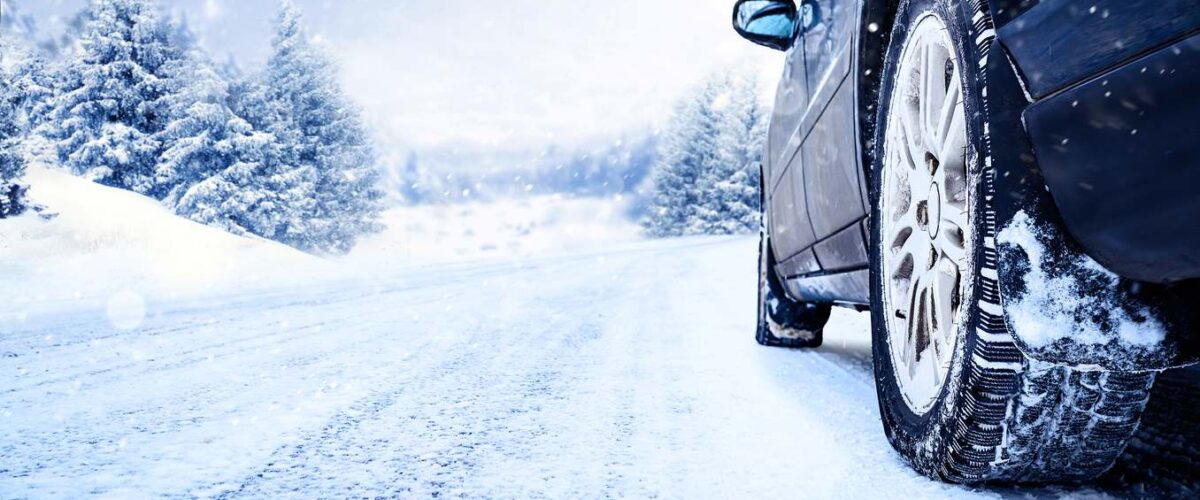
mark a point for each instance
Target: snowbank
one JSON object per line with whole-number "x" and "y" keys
{"x": 122, "y": 249}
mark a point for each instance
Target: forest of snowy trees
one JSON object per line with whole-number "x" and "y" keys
{"x": 131, "y": 101}
{"x": 706, "y": 178}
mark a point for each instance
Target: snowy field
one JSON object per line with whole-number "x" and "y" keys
{"x": 628, "y": 370}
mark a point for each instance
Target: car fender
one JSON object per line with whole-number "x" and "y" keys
{"x": 1060, "y": 305}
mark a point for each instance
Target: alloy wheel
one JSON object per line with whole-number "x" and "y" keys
{"x": 924, "y": 214}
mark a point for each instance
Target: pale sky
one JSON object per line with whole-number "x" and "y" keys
{"x": 504, "y": 74}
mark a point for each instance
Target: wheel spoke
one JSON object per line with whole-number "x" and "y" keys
{"x": 910, "y": 241}
{"x": 932, "y": 94}
{"x": 906, "y": 219}
{"x": 915, "y": 244}
{"x": 948, "y": 111}
{"x": 930, "y": 353}
{"x": 951, "y": 238}
{"x": 922, "y": 64}
{"x": 914, "y": 152}
{"x": 953, "y": 146}
{"x": 944, "y": 281}
{"x": 916, "y": 322}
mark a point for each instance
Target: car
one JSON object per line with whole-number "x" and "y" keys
{"x": 1010, "y": 187}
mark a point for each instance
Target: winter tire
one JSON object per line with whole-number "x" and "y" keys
{"x": 783, "y": 322}
{"x": 958, "y": 400}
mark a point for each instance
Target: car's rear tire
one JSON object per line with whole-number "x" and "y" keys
{"x": 958, "y": 399}
{"x": 783, "y": 322}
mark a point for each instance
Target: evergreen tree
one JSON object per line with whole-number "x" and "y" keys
{"x": 106, "y": 120}
{"x": 12, "y": 163}
{"x": 690, "y": 149}
{"x": 216, "y": 168}
{"x": 706, "y": 180}
{"x": 22, "y": 84}
{"x": 733, "y": 188}
{"x": 322, "y": 138}
{"x": 200, "y": 138}
{"x": 27, "y": 73}
{"x": 254, "y": 194}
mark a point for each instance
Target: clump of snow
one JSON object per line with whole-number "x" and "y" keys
{"x": 504, "y": 228}
{"x": 1058, "y": 306}
{"x": 117, "y": 249}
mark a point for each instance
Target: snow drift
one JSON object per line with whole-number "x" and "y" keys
{"x": 93, "y": 242}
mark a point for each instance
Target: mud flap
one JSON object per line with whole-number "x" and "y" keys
{"x": 1060, "y": 305}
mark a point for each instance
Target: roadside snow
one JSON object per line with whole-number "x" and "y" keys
{"x": 115, "y": 248}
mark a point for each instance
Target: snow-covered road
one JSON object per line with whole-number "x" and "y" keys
{"x": 628, "y": 371}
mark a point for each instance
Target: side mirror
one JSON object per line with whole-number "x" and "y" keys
{"x": 770, "y": 23}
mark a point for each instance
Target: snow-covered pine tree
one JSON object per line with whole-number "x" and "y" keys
{"x": 27, "y": 72}
{"x": 733, "y": 188}
{"x": 254, "y": 194}
{"x": 706, "y": 179}
{"x": 106, "y": 119}
{"x": 217, "y": 168}
{"x": 690, "y": 150}
{"x": 319, "y": 131}
{"x": 262, "y": 193}
{"x": 12, "y": 162}
{"x": 199, "y": 138}
{"x": 23, "y": 84}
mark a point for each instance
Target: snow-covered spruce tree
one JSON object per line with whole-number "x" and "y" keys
{"x": 732, "y": 187}
{"x": 216, "y": 167}
{"x": 706, "y": 178}
{"x": 110, "y": 109}
{"x": 254, "y": 194}
{"x": 322, "y": 138}
{"x": 690, "y": 150}
{"x": 23, "y": 83}
{"x": 12, "y": 162}
{"x": 27, "y": 73}
{"x": 201, "y": 135}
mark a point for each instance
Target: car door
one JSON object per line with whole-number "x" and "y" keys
{"x": 791, "y": 231}
{"x": 833, "y": 178}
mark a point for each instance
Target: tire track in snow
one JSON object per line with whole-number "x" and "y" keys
{"x": 439, "y": 403}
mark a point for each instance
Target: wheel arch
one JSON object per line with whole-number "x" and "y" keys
{"x": 871, "y": 44}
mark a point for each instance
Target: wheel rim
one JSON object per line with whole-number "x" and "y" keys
{"x": 924, "y": 214}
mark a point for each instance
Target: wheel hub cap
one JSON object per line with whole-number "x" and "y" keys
{"x": 924, "y": 214}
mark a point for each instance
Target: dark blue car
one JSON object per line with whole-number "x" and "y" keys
{"x": 1012, "y": 188}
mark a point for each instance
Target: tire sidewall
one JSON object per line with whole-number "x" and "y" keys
{"x": 918, "y": 436}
